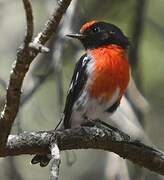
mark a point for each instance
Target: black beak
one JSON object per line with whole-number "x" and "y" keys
{"x": 77, "y": 36}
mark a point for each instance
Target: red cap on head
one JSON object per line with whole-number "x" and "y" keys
{"x": 87, "y": 25}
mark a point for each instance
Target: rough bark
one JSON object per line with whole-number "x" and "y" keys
{"x": 25, "y": 55}
{"x": 83, "y": 138}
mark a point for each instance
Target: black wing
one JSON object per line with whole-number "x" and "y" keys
{"x": 76, "y": 86}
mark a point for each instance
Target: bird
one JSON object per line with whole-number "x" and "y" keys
{"x": 100, "y": 77}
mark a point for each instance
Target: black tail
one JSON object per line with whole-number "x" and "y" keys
{"x": 43, "y": 160}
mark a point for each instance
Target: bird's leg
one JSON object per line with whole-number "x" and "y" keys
{"x": 88, "y": 122}
{"x": 100, "y": 123}
{"x": 96, "y": 122}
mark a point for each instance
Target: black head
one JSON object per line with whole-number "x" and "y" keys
{"x": 95, "y": 34}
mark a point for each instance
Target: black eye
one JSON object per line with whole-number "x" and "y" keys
{"x": 112, "y": 32}
{"x": 96, "y": 29}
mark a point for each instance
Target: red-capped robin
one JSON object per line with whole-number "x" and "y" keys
{"x": 100, "y": 77}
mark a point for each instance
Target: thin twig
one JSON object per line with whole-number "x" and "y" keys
{"x": 55, "y": 162}
{"x": 29, "y": 21}
{"x": 53, "y": 22}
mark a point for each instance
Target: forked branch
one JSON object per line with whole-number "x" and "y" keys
{"x": 25, "y": 56}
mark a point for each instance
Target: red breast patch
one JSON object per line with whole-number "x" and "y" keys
{"x": 110, "y": 71}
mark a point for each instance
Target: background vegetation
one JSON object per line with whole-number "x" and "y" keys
{"x": 41, "y": 111}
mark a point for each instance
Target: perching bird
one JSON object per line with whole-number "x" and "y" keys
{"x": 100, "y": 77}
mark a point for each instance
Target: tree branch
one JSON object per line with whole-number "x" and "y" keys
{"x": 20, "y": 67}
{"x": 83, "y": 138}
{"x": 25, "y": 56}
{"x": 53, "y": 22}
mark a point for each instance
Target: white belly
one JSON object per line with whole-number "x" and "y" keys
{"x": 90, "y": 108}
